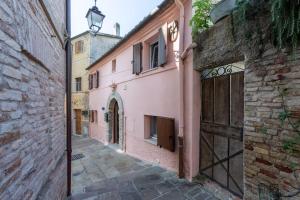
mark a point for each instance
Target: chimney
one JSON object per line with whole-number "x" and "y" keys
{"x": 117, "y": 29}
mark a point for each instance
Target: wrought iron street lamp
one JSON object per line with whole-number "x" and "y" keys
{"x": 95, "y": 18}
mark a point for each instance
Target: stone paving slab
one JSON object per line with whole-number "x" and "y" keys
{"x": 105, "y": 174}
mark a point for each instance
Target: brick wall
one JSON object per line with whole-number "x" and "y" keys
{"x": 266, "y": 162}
{"x": 32, "y": 89}
{"x": 266, "y": 70}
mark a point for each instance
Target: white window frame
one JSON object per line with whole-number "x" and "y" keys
{"x": 151, "y": 58}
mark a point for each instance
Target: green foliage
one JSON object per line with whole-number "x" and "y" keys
{"x": 201, "y": 19}
{"x": 294, "y": 166}
{"x": 263, "y": 130}
{"x": 241, "y": 10}
{"x": 285, "y": 16}
{"x": 286, "y": 23}
{"x": 290, "y": 145}
{"x": 283, "y": 116}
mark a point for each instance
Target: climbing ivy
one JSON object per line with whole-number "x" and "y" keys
{"x": 286, "y": 23}
{"x": 285, "y": 17}
{"x": 289, "y": 145}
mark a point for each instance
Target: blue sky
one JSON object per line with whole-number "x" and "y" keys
{"x": 127, "y": 13}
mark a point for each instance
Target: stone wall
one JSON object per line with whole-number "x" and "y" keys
{"x": 267, "y": 70}
{"x": 32, "y": 90}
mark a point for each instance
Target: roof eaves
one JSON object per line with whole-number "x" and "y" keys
{"x": 98, "y": 34}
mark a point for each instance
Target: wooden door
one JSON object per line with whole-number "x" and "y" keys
{"x": 221, "y": 137}
{"x": 116, "y": 135}
{"x": 78, "y": 121}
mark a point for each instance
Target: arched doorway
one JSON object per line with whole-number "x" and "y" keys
{"x": 115, "y": 110}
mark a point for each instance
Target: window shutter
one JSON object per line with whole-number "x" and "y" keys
{"x": 94, "y": 80}
{"x": 95, "y": 116}
{"x": 137, "y": 59}
{"x": 90, "y": 82}
{"x": 166, "y": 133}
{"x": 90, "y": 116}
{"x": 162, "y": 46}
{"x": 106, "y": 117}
{"x": 97, "y": 80}
{"x": 76, "y": 47}
{"x": 81, "y": 46}
{"x": 93, "y": 119}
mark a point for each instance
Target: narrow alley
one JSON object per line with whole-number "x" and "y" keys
{"x": 149, "y": 100}
{"x": 105, "y": 173}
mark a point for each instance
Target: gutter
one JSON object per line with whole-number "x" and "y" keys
{"x": 181, "y": 89}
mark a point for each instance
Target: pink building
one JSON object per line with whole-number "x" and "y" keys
{"x": 144, "y": 93}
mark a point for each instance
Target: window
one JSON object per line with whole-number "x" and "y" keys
{"x": 153, "y": 127}
{"x": 79, "y": 47}
{"x": 114, "y": 66}
{"x": 94, "y": 80}
{"x": 78, "y": 84}
{"x": 85, "y": 114}
{"x": 151, "y": 53}
{"x": 154, "y": 55}
{"x": 160, "y": 131}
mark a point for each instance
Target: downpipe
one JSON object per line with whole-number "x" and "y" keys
{"x": 181, "y": 90}
{"x": 68, "y": 50}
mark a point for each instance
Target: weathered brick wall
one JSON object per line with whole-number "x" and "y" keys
{"x": 267, "y": 70}
{"x": 266, "y": 161}
{"x": 32, "y": 88}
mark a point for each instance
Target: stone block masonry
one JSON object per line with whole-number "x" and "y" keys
{"x": 32, "y": 92}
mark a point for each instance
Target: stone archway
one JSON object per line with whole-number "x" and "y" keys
{"x": 112, "y": 100}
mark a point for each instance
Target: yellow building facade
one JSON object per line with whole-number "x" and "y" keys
{"x": 87, "y": 48}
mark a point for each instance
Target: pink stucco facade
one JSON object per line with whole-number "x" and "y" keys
{"x": 153, "y": 92}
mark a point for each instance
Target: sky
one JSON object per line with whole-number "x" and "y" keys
{"x": 127, "y": 13}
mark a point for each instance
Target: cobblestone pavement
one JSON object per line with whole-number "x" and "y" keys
{"x": 105, "y": 174}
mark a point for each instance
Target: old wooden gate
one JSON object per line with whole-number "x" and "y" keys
{"x": 221, "y": 140}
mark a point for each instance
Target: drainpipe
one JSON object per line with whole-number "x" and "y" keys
{"x": 188, "y": 49}
{"x": 68, "y": 95}
{"x": 181, "y": 89}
